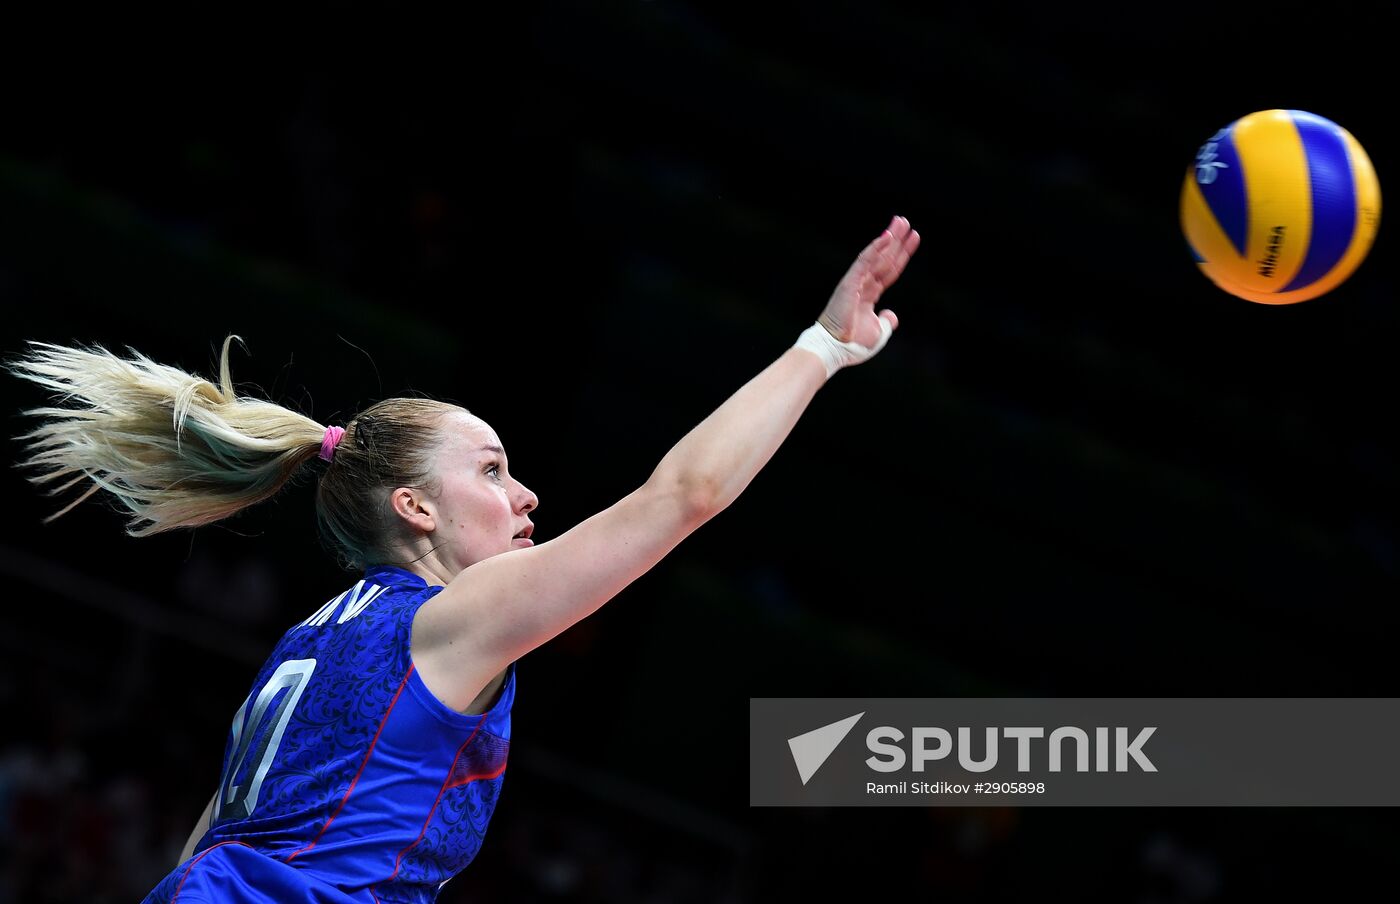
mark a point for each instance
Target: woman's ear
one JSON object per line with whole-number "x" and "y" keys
{"x": 412, "y": 509}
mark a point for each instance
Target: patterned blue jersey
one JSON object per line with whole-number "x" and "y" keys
{"x": 344, "y": 778}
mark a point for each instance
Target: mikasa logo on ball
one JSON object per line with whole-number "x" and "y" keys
{"x": 1266, "y": 266}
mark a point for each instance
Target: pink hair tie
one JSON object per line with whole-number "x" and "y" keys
{"x": 329, "y": 442}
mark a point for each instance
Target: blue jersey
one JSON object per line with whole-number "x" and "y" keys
{"x": 344, "y": 778}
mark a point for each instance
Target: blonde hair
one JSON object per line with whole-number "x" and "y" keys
{"x": 179, "y": 451}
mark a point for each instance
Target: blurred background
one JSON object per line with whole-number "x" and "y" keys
{"x": 1078, "y": 469}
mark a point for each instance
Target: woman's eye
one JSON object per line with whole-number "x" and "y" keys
{"x": 494, "y": 470}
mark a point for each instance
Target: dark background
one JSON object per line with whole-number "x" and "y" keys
{"x": 1078, "y": 468}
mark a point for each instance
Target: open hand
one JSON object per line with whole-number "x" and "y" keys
{"x": 850, "y": 314}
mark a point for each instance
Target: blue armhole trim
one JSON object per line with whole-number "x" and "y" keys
{"x": 430, "y": 702}
{"x": 444, "y": 713}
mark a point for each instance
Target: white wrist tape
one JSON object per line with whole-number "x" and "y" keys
{"x": 836, "y": 354}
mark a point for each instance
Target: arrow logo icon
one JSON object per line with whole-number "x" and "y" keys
{"x": 810, "y": 750}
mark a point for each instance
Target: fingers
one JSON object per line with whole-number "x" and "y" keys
{"x": 893, "y": 235}
{"x": 895, "y": 246}
{"x": 907, "y": 248}
{"x": 881, "y": 262}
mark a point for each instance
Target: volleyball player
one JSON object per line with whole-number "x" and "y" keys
{"x": 366, "y": 761}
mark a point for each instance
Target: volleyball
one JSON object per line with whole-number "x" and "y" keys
{"x": 1280, "y": 206}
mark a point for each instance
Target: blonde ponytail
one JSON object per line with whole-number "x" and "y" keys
{"x": 175, "y": 449}
{"x": 179, "y": 451}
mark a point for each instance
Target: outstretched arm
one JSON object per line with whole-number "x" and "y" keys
{"x": 719, "y": 458}
{"x": 506, "y": 605}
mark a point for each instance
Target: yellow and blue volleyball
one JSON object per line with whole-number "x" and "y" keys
{"x": 1280, "y": 206}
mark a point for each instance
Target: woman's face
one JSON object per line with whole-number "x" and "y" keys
{"x": 481, "y": 508}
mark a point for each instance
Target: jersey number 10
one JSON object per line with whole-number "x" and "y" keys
{"x": 265, "y": 724}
